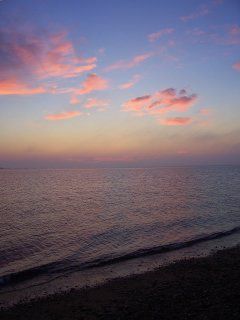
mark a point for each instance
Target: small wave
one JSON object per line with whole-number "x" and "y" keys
{"x": 159, "y": 249}
{"x": 61, "y": 267}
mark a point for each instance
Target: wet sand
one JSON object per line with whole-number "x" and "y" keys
{"x": 202, "y": 288}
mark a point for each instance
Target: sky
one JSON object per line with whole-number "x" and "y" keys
{"x": 140, "y": 83}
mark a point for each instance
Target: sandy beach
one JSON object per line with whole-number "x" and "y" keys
{"x": 201, "y": 288}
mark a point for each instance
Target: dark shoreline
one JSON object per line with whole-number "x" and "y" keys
{"x": 199, "y": 288}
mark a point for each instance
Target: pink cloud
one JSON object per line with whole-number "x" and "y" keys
{"x": 156, "y": 35}
{"x": 236, "y": 66}
{"x": 182, "y": 103}
{"x": 131, "y": 83}
{"x": 80, "y": 69}
{"x": 96, "y": 103}
{"x": 38, "y": 58}
{"x": 63, "y": 115}
{"x": 13, "y": 87}
{"x": 60, "y": 59}
{"x": 202, "y": 11}
{"x": 137, "y": 104}
{"x": 93, "y": 82}
{"x": 177, "y": 121}
{"x": 124, "y": 64}
{"x": 161, "y": 102}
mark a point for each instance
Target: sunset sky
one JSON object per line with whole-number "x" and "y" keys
{"x": 110, "y": 83}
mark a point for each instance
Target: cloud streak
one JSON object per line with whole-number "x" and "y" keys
{"x": 177, "y": 121}
{"x": 63, "y": 115}
{"x": 13, "y": 87}
{"x": 156, "y": 35}
{"x": 202, "y": 11}
{"x": 96, "y": 103}
{"x": 128, "y": 64}
{"x": 127, "y": 85}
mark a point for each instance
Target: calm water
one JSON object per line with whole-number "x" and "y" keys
{"x": 56, "y": 221}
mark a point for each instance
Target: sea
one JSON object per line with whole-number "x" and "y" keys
{"x": 67, "y": 228}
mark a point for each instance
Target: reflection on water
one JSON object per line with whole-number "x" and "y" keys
{"x": 72, "y": 217}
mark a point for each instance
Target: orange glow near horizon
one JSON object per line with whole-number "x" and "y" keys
{"x": 166, "y": 91}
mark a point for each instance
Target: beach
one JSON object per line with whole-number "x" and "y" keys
{"x": 119, "y": 160}
{"x": 197, "y": 288}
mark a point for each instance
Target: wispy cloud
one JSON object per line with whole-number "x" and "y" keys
{"x": 127, "y": 64}
{"x": 177, "y": 121}
{"x": 96, "y": 103}
{"x": 60, "y": 59}
{"x": 224, "y": 35}
{"x": 236, "y": 66}
{"x": 63, "y": 115}
{"x": 231, "y": 36}
{"x": 13, "y": 87}
{"x": 201, "y": 11}
{"x": 156, "y": 35}
{"x": 27, "y": 57}
{"x": 93, "y": 82}
{"x": 135, "y": 79}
